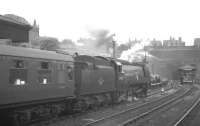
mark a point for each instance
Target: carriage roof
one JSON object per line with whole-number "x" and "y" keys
{"x": 32, "y": 53}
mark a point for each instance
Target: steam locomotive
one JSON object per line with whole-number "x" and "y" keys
{"x": 36, "y": 84}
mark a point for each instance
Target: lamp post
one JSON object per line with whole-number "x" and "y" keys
{"x": 145, "y": 55}
{"x": 114, "y": 45}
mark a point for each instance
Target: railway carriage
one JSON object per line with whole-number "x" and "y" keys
{"x": 34, "y": 83}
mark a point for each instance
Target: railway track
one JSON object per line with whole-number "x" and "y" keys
{"x": 168, "y": 114}
{"x": 134, "y": 113}
{"x": 172, "y": 102}
{"x": 157, "y": 91}
{"x": 189, "y": 115}
{"x": 151, "y": 93}
{"x": 70, "y": 120}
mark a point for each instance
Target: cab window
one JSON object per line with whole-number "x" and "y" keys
{"x": 119, "y": 68}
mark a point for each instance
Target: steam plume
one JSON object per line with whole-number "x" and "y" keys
{"x": 136, "y": 52}
{"x": 99, "y": 40}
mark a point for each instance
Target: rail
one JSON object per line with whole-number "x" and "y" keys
{"x": 183, "y": 119}
{"x": 135, "y": 119}
{"x": 122, "y": 112}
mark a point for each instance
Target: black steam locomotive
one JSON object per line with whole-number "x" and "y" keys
{"x": 36, "y": 84}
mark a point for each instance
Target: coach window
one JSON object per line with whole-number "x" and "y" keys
{"x": 44, "y": 81}
{"x": 44, "y": 73}
{"x": 18, "y": 73}
{"x": 61, "y": 74}
{"x": 70, "y": 73}
{"x": 44, "y": 65}
{"x": 19, "y": 64}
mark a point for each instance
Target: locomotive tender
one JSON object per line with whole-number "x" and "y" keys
{"x": 37, "y": 83}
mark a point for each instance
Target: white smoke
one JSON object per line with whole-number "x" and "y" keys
{"x": 99, "y": 42}
{"x": 136, "y": 52}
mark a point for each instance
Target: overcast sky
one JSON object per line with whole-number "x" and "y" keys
{"x": 126, "y": 18}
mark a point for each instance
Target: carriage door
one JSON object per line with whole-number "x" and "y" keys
{"x": 78, "y": 77}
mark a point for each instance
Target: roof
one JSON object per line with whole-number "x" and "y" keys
{"x": 101, "y": 57}
{"x": 33, "y": 53}
{"x": 14, "y": 21}
{"x": 83, "y": 51}
{"x": 84, "y": 58}
{"x": 187, "y": 67}
{"x": 93, "y": 59}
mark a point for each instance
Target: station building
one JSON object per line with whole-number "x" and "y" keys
{"x": 15, "y": 30}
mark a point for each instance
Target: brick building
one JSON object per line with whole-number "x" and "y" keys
{"x": 16, "y": 30}
{"x": 173, "y": 42}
